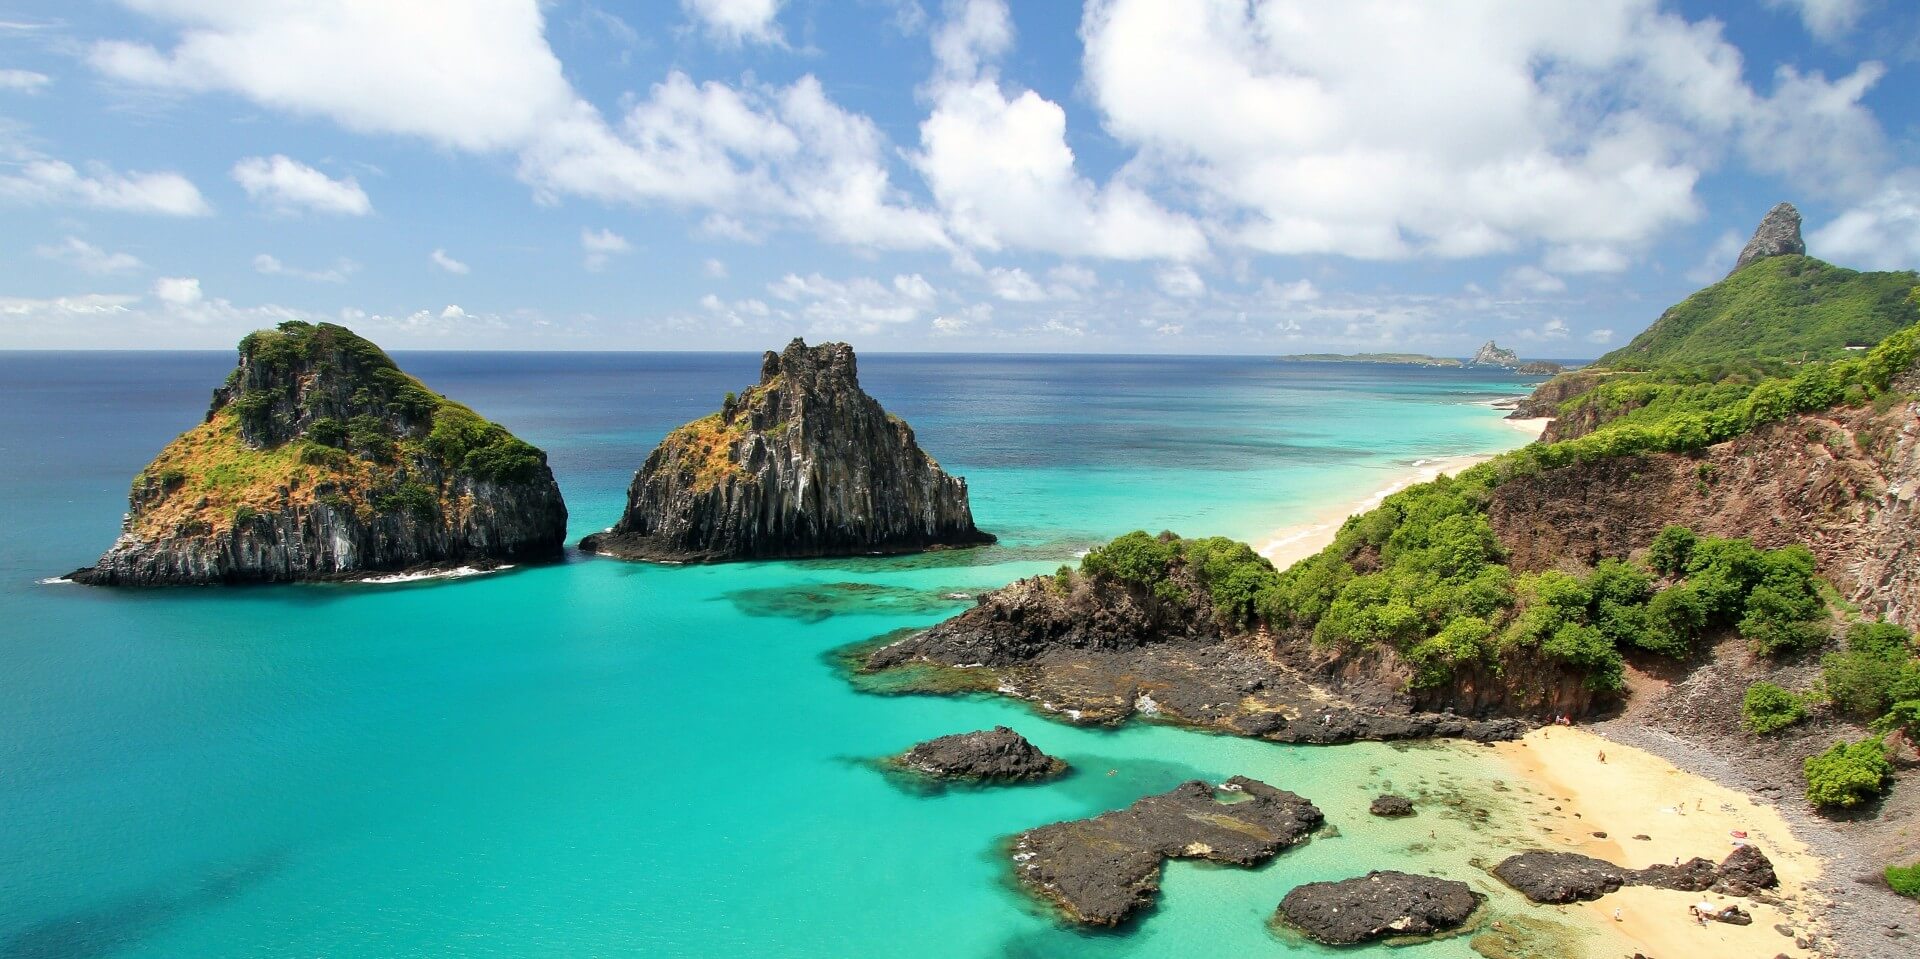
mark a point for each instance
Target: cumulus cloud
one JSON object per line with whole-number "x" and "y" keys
{"x": 267, "y": 264}
{"x": 1827, "y": 19}
{"x": 1180, "y": 280}
{"x": 859, "y": 305}
{"x": 1380, "y": 130}
{"x": 1550, "y": 331}
{"x": 88, "y": 258}
{"x": 1001, "y": 170}
{"x": 178, "y": 290}
{"x": 600, "y": 246}
{"x": 23, "y": 81}
{"x": 448, "y": 263}
{"x": 1881, "y": 232}
{"x": 1532, "y": 279}
{"x": 737, "y": 21}
{"x": 285, "y": 185}
{"x": 44, "y": 181}
{"x": 1601, "y": 335}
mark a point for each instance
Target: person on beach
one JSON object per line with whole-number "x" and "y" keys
{"x": 1603, "y": 755}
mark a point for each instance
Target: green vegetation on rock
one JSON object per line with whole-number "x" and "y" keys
{"x": 1788, "y": 308}
{"x": 1848, "y": 774}
{"x": 1769, "y": 708}
{"x": 1905, "y": 880}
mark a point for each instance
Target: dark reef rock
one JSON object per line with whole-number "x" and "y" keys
{"x": 1100, "y": 652}
{"x": 1391, "y": 806}
{"x": 803, "y": 464}
{"x": 1379, "y": 905}
{"x": 1099, "y": 870}
{"x": 1562, "y": 877}
{"x": 997, "y": 755}
{"x": 1777, "y": 235}
{"x": 1539, "y": 368}
{"x": 320, "y": 459}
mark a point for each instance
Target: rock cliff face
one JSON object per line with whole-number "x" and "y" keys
{"x": 802, "y": 464}
{"x": 1491, "y": 354}
{"x": 320, "y": 459}
{"x": 1842, "y": 482}
{"x": 1777, "y": 235}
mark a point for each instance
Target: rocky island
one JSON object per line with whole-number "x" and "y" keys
{"x": 802, "y": 464}
{"x": 320, "y": 459}
{"x": 997, "y": 755}
{"x": 1100, "y": 870}
{"x": 1385, "y": 904}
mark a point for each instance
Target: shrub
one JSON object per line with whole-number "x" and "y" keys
{"x": 1848, "y": 774}
{"x": 507, "y": 459}
{"x": 1671, "y": 549}
{"x": 1876, "y": 671}
{"x": 327, "y": 431}
{"x": 1769, "y": 708}
{"x": 1905, "y": 880}
{"x": 1134, "y": 558}
{"x": 409, "y": 497}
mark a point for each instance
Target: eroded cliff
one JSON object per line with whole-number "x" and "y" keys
{"x": 804, "y": 463}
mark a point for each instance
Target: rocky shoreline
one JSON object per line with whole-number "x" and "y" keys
{"x": 1864, "y": 922}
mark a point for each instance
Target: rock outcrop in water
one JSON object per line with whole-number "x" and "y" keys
{"x": 802, "y": 464}
{"x": 1099, "y": 870}
{"x": 320, "y": 459}
{"x": 1492, "y": 354}
{"x": 1379, "y": 905}
{"x": 1562, "y": 877}
{"x": 997, "y": 755}
{"x": 1777, "y": 235}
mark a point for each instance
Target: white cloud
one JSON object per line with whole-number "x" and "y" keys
{"x": 269, "y": 265}
{"x": 1550, "y": 331}
{"x": 1719, "y": 258}
{"x": 1881, "y": 232}
{"x": 286, "y": 185}
{"x": 23, "y": 81}
{"x": 177, "y": 290}
{"x": 57, "y": 312}
{"x": 448, "y": 263}
{"x": 1601, "y": 335}
{"x": 973, "y": 318}
{"x": 859, "y": 305}
{"x": 1585, "y": 258}
{"x": 1382, "y": 130}
{"x": 1002, "y": 171}
{"x": 1532, "y": 279}
{"x": 714, "y": 269}
{"x": 470, "y": 74}
{"x": 53, "y": 181}
{"x": 453, "y": 312}
{"x": 1299, "y": 291}
{"x": 1180, "y": 280}
{"x": 737, "y": 21}
{"x": 600, "y": 246}
{"x": 88, "y": 258}
{"x": 1827, "y": 19}
{"x": 1170, "y": 329}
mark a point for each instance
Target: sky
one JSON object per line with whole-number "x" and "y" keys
{"x": 1118, "y": 176}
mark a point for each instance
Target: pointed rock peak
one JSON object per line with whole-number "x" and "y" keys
{"x": 1492, "y": 355}
{"x": 1778, "y": 235}
{"x": 806, "y": 364}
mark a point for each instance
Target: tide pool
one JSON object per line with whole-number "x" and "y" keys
{"x": 606, "y": 759}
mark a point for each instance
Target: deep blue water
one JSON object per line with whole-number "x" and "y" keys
{"x": 605, "y": 759}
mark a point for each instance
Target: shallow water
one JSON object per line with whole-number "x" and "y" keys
{"x": 604, "y": 759}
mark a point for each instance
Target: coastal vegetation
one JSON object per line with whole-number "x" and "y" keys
{"x": 1769, "y": 707}
{"x": 1849, "y": 774}
{"x": 1904, "y": 880}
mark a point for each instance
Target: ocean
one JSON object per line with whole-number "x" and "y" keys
{"x": 602, "y": 759}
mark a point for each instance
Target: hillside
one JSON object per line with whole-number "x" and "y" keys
{"x": 319, "y": 458}
{"x": 1778, "y": 309}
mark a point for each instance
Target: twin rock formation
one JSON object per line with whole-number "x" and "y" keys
{"x": 320, "y": 459}
{"x": 802, "y": 464}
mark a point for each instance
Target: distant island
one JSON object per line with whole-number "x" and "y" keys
{"x": 1489, "y": 354}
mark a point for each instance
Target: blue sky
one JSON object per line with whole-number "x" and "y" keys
{"x": 1181, "y": 176}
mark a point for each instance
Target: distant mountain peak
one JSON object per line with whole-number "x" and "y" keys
{"x": 1777, "y": 235}
{"x": 1491, "y": 354}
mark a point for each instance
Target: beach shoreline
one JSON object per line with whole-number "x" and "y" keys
{"x": 1297, "y": 541}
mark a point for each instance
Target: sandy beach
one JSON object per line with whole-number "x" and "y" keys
{"x": 1296, "y": 542}
{"x": 1634, "y": 793}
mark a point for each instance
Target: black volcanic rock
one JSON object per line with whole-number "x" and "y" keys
{"x": 1562, "y": 877}
{"x": 1391, "y": 807}
{"x": 1099, "y": 870}
{"x": 1777, "y": 235}
{"x": 997, "y": 755}
{"x": 802, "y": 464}
{"x": 1379, "y": 905}
{"x": 320, "y": 459}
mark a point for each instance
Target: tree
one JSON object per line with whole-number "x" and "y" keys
{"x": 1848, "y": 774}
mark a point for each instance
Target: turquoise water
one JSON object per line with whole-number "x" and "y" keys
{"x": 604, "y": 759}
